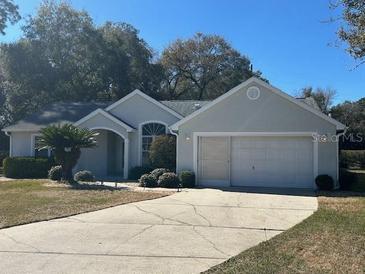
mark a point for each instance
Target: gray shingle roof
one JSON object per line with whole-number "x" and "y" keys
{"x": 70, "y": 112}
{"x": 185, "y": 107}
{"x": 310, "y": 102}
{"x": 57, "y": 113}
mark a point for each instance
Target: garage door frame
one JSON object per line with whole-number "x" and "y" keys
{"x": 196, "y": 136}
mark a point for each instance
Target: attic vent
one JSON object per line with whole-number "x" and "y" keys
{"x": 253, "y": 93}
{"x": 197, "y": 106}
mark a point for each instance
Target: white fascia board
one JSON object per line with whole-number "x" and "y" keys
{"x": 148, "y": 98}
{"x": 269, "y": 87}
{"x": 105, "y": 114}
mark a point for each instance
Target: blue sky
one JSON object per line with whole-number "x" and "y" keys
{"x": 287, "y": 40}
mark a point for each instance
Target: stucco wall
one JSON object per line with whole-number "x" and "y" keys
{"x": 21, "y": 143}
{"x": 269, "y": 113}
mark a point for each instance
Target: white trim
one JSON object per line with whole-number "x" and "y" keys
{"x": 105, "y": 114}
{"x": 148, "y": 98}
{"x": 266, "y": 85}
{"x": 177, "y": 148}
{"x": 140, "y": 136}
{"x": 32, "y": 144}
{"x": 126, "y": 148}
{"x": 196, "y": 136}
{"x": 10, "y": 143}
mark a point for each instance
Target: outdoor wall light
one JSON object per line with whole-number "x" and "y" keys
{"x": 187, "y": 137}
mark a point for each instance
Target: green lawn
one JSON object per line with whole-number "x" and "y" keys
{"x": 332, "y": 240}
{"x": 25, "y": 201}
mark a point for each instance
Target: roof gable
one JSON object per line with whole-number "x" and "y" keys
{"x": 270, "y": 88}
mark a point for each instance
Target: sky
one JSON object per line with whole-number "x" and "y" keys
{"x": 289, "y": 41}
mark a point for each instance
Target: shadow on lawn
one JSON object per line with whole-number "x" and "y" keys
{"x": 96, "y": 187}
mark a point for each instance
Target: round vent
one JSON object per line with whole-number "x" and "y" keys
{"x": 253, "y": 93}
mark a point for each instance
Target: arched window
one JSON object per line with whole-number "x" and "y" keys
{"x": 149, "y": 133}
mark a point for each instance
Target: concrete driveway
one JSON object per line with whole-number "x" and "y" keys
{"x": 187, "y": 232}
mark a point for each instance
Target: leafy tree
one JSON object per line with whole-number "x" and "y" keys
{"x": 323, "y": 97}
{"x": 353, "y": 29}
{"x": 163, "y": 152}
{"x": 66, "y": 142}
{"x": 202, "y": 67}
{"x": 8, "y": 13}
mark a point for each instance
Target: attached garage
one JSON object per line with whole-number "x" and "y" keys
{"x": 262, "y": 161}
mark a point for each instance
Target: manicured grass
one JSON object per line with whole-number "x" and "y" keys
{"x": 25, "y": 201}
{"x": 332, "y": 240}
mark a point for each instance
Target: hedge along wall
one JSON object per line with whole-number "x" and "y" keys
{"x": 26, "y": 167}
{"x": 352, "y": 159}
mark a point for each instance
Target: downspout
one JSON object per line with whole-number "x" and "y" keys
{"x": 177, "y": 135}
{"x": 7, "y": 133}
{"x": 339, "y": 133}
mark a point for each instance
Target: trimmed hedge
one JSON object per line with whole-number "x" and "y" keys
{"x": 158, "y": 172}
{"x": 147, "y": 180}
{"x": 352, "y": 159}
{"x": 187, "y": 178}
{"x": 168, "y": 180}
{"x": 352, "y": 180}
{"x": 3, "y": 155}
{"x": 325, "y": 182}
{"x": 55, "y": 173}
{"x": 26, "y": 167}
{"x": 136, "y": 172}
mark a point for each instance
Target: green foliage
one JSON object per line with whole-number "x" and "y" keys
{"x": 147, "y": 180}
{"x": 8, "y": 13}
{"x": 353, "y": 29}
{"x": 187, "y": 178}
{"x": 66, "y": 142}
{"x": 168, "y": 180}
{"x": 163, "y": 152}
{"x": 352, "y": 159}
{"x": 323, "y": 97}
{"x": 3, "y": 155}
{"x": 202, "y": 67}
{"x": 55, "y": 173}
{"x": 158, "y": 172}
{"x": 26, "y": 167}
{"x": 324, "y": 182}
{"x": 84, "y": 176}
{"x": 136, "y": 172}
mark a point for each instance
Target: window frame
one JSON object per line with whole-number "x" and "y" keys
{"x": 33, "y": 146}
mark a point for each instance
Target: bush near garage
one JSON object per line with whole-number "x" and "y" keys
{"x": 163, "y": 152}
{"x": 55, "y": 173}
{"x": 136, "y": 172}
{"x": 169, "y": 180}
{"x": 187, "y": 178}
{"x": 324, "y": 182}
{"x": 158, "y": 172}
{"x": 148, "y": 180}
{"x": 26, "y": 167}
{"x": 3, "y": 155}
{"x": 84, "y": 176}
{"x": 353, "y": 180}
{"x": 352, "y": 159}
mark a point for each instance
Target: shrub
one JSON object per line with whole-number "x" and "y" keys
{"x": 352, "y": 180}
{"x": 3, "y": 155}
{"x": 324, "y": 182}
{"x": 147, "y": 180}
{"x": 168, "y": 180}
{"x": 158, "y": 172}
{"x": 136, "y": 172}
{"x": 163, "y": 152}
{"x": 352, "y": 158}
{"x": 84, "y": 176}
{"x": 187, "y": 178}
{"x": 26, "y": 167}
{"x": 55, "y": 173}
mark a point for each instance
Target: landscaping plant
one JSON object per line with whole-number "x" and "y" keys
{"x": 66, "y": 142}
{"x": 168, "y": 180}
{"x": 84, "y": 176}
{"x": 148, "y": 180}
{"x": 55, "y": 173}
{"x": 163, "y": 152}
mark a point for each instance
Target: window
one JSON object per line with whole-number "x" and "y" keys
{"x": 149, "y": 133}
{"x": 39, "y": 153}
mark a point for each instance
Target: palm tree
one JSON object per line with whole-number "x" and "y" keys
{"x": 66, "y": 142}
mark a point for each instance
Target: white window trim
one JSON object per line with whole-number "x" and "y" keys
{"x": 126, "y": 148}
{"x": 32, "y": 144}
{"x": 140, "y": 136}
{"x": 196, "y": 135}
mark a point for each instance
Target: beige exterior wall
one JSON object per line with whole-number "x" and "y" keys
{"x": 269, "y": 113}
{"x": 21, "y": 143}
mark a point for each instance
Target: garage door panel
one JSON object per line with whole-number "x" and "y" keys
{"x": 272, "y": 161}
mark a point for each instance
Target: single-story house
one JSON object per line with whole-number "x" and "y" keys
{"x": 253, "y": 135}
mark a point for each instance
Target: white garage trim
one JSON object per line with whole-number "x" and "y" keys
{"x": 196, "y": 135}
{"x": 126, "y": 148}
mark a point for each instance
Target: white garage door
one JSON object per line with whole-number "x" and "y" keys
{"x": 256, "y": 161}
